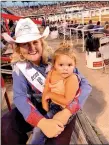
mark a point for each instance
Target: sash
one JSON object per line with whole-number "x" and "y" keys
{"x": 32, "y": 75}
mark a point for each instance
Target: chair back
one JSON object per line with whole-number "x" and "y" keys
{"x": 104, "y": 47}
{"x": 104, "y": 50}
{"x": 104, "y": 40}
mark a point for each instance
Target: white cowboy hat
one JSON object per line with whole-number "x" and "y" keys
{"x": 26, "y": 30}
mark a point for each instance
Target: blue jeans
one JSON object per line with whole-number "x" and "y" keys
{"x": 38, "y": 137}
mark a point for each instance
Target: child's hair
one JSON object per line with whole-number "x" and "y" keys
{"x": 65, "y": 48}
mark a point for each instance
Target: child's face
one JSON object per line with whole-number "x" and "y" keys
{"x": 64, "y": 65}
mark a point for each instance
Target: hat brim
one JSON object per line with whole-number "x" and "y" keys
{"x": 32, "y": 37}
{"x": 27, "y": 38}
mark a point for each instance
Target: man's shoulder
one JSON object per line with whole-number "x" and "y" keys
{"x": 75, "y": 70}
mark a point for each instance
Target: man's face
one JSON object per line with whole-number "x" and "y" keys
{"x": 31, "y": 51}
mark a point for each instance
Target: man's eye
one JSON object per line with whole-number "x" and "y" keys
{"x": 61, "y": 64}
{"x": 25, "y": 44}
{"x": 35, "y": 42}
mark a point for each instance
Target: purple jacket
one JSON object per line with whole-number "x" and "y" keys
{"x": 22, "y": 90}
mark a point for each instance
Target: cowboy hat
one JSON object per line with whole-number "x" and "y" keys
{"x": 26, "y": 30}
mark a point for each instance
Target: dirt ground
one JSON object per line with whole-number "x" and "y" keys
{"x": 97, "y": 105}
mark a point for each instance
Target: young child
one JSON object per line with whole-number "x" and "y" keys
{"x": 61, "y": 85}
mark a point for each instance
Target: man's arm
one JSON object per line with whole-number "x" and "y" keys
{"x": 21, "y": 100}
{"x": 86, "y": 89}
{"x": 77, "y": 103}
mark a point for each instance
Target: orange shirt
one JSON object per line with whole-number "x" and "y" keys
{"x": 63, "y": 87}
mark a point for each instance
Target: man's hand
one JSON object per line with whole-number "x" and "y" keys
{"x": 63, "y": 116}
{"x": 50, "y": 127}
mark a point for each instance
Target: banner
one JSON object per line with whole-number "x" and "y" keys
{"x": 16, "y": 18}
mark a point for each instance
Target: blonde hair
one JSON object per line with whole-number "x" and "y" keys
{"x": 46, "y": 54}
{"x": 106, "y": 26}
{"x": 65, "y": 48}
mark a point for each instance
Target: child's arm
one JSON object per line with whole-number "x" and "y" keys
{"x": 71, "y": 87}
{"x": 46, "y": 90}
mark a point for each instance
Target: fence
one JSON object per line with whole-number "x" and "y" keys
{"x": 68, "y": 32}
{"x": 85, "y": 132}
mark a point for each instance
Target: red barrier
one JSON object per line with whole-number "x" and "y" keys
{"x": 7, "y": 26}
{"x": 2, "y": 83}
{"x": 4, "y": 58}
{"x": 14, "y": 18}
{"x": 5, "y": 94}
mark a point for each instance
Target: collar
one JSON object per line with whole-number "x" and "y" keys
{"x": 30, "y": 64}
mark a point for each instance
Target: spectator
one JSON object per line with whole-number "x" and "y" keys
{"x": 98, "y": 26}
{"x": 90, "y": 26}
{"x": 43, "y": 22}
{"x": 106, "y": 29}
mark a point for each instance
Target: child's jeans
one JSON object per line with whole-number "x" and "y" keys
{"x": 38, "y": 138}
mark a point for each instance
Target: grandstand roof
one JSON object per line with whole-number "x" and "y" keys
{"x": 69, "y": 6}
{"x": 26, "y": 3}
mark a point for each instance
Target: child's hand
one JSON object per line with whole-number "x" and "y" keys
{"x": 45, "y": 105}
{"x": 46, "y": 97}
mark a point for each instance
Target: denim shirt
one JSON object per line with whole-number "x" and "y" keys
{"x": 23, "y": 91}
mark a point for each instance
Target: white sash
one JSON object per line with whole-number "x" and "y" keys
{"x": 32, "y": 75}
